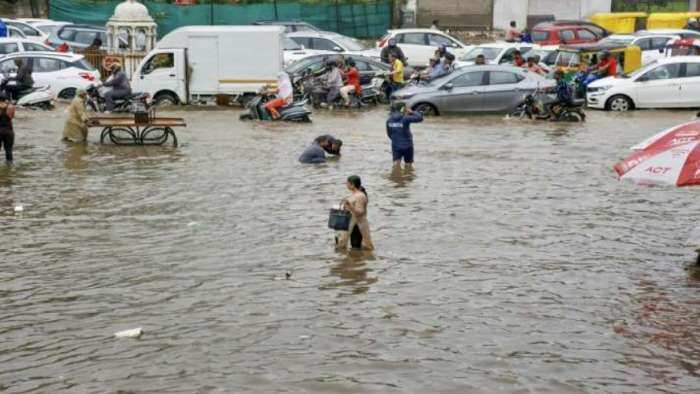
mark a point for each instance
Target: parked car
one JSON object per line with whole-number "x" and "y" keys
{"x": 652, "y": 46}
{"x": 668, "y": 83}
{"x": 294, "y": 52}
{"x": 596, "y": 29}
{"x": 290, "y": 26}
{"x": 14, "y": 32}
{"x": 489, "y": 88}
{"x": 46, "y": 25}
{"x": 65, "y": 73}
{"x": 548, "y": 55}
{"x": 77, "y": 36}
{"x": 562, "y": 34}
{"x": 683, "y": 33}
{"x": 367, "y": 66}
{"x": 495, "y": 53}
{"x": 332, "y": 42}
{"x": 419, "y": 45}
{"x": 30, "y": 32}
{"x": 14, "y": 45}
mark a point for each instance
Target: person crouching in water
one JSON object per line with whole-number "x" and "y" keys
{"x": 7, "y": 133}
{"x": 316, "y": 152}
{"x": 284, "y": 95}
{"x": 358, "y": 232}
{"x": 398, "y": 128}
{"x": 76, "y": 126}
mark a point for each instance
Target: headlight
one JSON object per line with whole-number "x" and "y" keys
{"x": 599, "y": 89}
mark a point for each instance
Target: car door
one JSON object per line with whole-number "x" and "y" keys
{"x": 658, "y": 87}
{"x": 34, "y": 47}
{"x": 323, "y": 44}
{"x": 690, "y": 87}
{"x": 46, "y": 72}
{"x": 503, "y": 92}
{"x": 462, "y": 93}
{"x": 161, "y": 73}
{"x": 415, "y": 48}
{"x": 8, "y": 68}
{"x": 567, "y": 36}
{"x": 365, "y": 70}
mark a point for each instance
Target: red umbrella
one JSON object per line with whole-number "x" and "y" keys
{"x": 669, "y": 157}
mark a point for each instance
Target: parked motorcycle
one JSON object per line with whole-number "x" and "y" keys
{"x": 295, "y": 112}
{"x": 40, "y": 97}
{"x": 134, "y": 102}
{"x": 538, "y": 107}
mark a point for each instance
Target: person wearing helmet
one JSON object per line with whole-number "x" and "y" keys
{"x": 119, "y": 84}
{"x": 392, "y": 48}
{"x": 398, "y": 129}
{"x": 352, "y": 77}
{"x": 7, "y": 133}
{"x": 440, "y": 52}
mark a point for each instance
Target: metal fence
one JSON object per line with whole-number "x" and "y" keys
{"x": 357, "y": 18}
{"x": 650, "y": 5}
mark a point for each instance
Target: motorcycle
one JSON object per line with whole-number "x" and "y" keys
{"x": 313, "y": 89}
{"x": 135, "y": 102}
{"x": 295, "y": 112}
{"x": 535, "y": 107}
{"x": 39, "y": 97}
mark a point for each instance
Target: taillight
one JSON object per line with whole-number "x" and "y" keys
{"x": 87, "y": 76}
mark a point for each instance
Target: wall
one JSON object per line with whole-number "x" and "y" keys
{"x": 505, "y": 11}
{"x": 456, "y": 14}
{"x": 22, "y": 8}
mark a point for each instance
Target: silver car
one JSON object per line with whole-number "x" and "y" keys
{"x": 490, "y": 88}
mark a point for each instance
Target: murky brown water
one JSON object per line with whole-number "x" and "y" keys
{"x": 510, "y": 261}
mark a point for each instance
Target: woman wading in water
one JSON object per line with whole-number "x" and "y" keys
{"x": 358, "y": 232}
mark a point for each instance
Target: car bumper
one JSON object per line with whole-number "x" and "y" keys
{"x": 596, "y": 100}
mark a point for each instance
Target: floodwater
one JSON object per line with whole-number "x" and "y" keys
{"x": 510, "y": 261}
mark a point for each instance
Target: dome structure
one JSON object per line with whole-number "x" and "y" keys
{"x": 131, "y": 11}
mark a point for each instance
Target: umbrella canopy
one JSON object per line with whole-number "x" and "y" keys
{"x": 671, "y": 157}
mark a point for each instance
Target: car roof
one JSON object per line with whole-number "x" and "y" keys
{"x": 85, "y": 27}
{"x": 559, "y": 27}
{"x": 666, "y": 31}
{"x": 316, "y": 34}
{"x": 505, "y": 45}
{"x": 678, "y": 59}
{"x": 18, "y": 39}
{"x": 622, "y": 36}
{"x": 285, "y": 23}
{"x": 416, "y": 30}
{"x": 70, "y": 57}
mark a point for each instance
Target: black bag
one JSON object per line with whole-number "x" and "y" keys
{"x": 339, "y": 219}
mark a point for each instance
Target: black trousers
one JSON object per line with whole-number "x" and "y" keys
{"x": 356, "y": 238}
{"x": 7, "y": 141}
{"x": 13, "y": 90}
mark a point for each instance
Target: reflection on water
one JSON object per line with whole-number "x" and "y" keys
{"x": 509, "y": 260}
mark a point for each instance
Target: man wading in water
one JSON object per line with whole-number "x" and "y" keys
{"x": 7, "y": 133}
{"x": 398, "y": 128}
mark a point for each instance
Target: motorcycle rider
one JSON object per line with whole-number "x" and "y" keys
{"x": 284, "y": 95}
{"x": 607, "y": 66}
{"x": 532, "y": 66}
{"x": 119, "y": 84}
{"x": 353, "y": 82}
{"x": 21, "y": 81}
{"x": 392, "y": 48}
{"x": 563, "y": 91}
{"x": 333, "y": 83}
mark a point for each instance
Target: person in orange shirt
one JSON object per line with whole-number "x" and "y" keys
{"x": 352, "y": 83}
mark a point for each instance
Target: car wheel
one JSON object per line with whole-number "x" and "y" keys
{"x": 67, "y": 94}
{"x": 165, "y": 99}
{"x": 619, "y": 103}
{"x": 426, "y": 109}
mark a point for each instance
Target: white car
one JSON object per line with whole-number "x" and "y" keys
{"x": 14, "y": 45}
{"x": 329, "y": 42}
{"x": 65, "y": 73}
{"x": 294, "y": 51}
{"x": 684, "y": 33}
{"x": 668, "y": 83}
{"x": 652, "y": 45}
{"x": 30, "y": 32}
{"x": 45, "y": 25}
{"x": 419, "y": 45}
{"x": 495, "y": 53}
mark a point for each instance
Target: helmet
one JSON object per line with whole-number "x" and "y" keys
{"x": 392, "y": 42}
{"x": 442, "y": 48}
{"x": 398, "y": 107}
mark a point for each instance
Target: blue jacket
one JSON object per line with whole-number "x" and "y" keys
{"x": 313, "y": 154}
{"x": 3, "y": 29}
{"x": 563, "y": 91}
{"x": 398, "y": 128}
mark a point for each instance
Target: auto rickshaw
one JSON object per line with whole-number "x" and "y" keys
{"x": 620, "y": 22}
{"x": 670, "y": 20}
{"x": 629, "y": 58}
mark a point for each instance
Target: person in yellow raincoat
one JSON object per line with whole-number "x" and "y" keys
{"x": 76, "y": 127}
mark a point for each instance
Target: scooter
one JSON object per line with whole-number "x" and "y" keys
{"x": 535, "y": 107}
{"x": 40, "y": 97}
{"x": 295, "y": 112}
{"x": 132, "y": 103}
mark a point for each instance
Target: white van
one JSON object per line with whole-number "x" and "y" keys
{"x": 198, "y": 63}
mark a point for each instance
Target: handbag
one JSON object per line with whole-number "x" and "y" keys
{"x": 339, "y": 219}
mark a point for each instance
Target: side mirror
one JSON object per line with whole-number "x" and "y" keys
{"x": 338, "y": 49}
{"x": 447, "y": 86}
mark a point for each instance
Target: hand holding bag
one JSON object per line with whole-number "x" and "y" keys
{"x": 339, "y": 219}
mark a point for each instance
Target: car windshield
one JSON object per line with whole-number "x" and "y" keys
{"x": 621, "y": 41}
{"x": 350, "y": 44}
{"x": 49, "y": 29}
{"x": 290, "y": 45}
{"x": 544, "y": 54}
{"x": 490, "y": 53}
{"x": 642, "y": 70}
